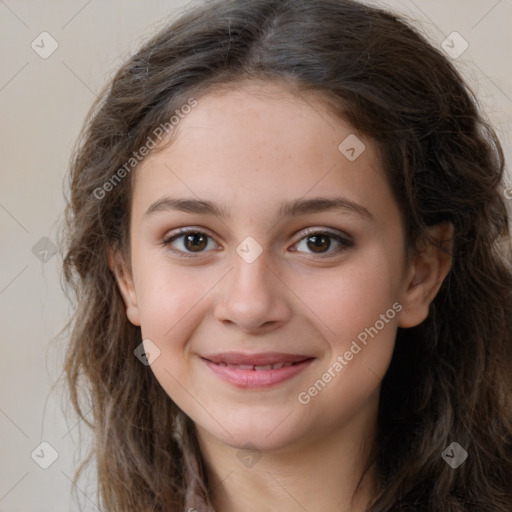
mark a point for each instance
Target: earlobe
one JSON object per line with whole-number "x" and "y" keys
{"x": 125, "y": 284}
{"x": 428, "y": 268}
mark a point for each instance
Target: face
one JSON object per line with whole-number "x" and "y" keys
{"x": 274, "y": 312}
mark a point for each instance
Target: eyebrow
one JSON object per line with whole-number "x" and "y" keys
{"x": 287, "y": 209}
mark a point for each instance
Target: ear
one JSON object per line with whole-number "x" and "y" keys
{"x": 428, "y": 268}
{"x": 125, "y": 284}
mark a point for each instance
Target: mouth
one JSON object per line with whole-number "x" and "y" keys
{"x": 256, "y": 370}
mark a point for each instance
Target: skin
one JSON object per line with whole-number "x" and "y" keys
{"x": 250, "y": 149}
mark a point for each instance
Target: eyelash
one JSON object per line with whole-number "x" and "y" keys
{"x": 344, "y": 242}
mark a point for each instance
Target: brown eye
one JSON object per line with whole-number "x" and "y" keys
{"x": 320, "y": 242}
{"x": 188, "y": 242}
{"x": 195, "y": 241}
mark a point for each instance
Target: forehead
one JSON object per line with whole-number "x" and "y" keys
{"x": 261, "y": 144}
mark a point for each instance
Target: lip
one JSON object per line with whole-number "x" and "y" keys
{"x": 239, "y": 369}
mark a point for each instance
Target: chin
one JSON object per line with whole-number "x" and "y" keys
{"x": 270, "y": 433}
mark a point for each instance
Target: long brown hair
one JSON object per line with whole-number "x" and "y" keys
{"x": 450, "y": 379}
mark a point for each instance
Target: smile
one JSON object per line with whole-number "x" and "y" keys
{"x": 252, "y": 371}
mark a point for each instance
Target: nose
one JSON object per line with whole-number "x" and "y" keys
{"x": 253, "y": 297}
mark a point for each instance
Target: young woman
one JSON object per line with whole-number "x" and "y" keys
{"x": 288, "y": 239}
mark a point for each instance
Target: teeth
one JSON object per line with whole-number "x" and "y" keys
{"x": 266, "y": 367}
{"x": 275, "y": 366}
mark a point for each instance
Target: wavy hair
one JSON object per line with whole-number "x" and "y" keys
{"x": 450, "y": 378}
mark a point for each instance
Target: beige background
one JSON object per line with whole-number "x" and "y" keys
{"x": 42, "y": 105}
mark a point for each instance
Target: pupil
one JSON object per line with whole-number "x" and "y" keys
{"x": 195, "y": 244}
{"x": 317, "y": 242}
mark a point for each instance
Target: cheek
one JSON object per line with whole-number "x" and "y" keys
{"x": 169, "y": 297}
{"x": 353, "y": 297}
{"x": 173, "y": 303}
{"x": 358, "y": 312}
